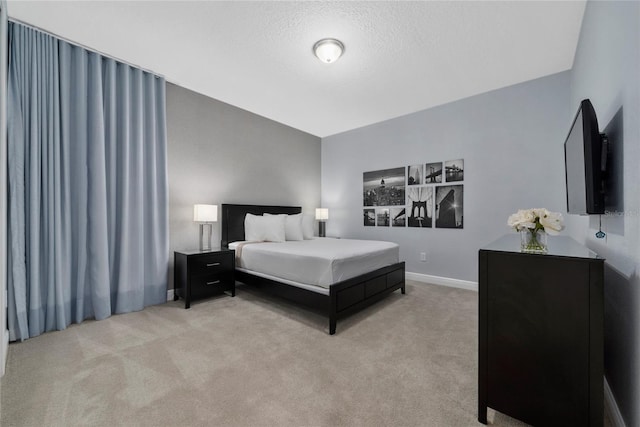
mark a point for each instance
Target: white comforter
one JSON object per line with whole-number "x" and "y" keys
{"x": 317, "y": 262}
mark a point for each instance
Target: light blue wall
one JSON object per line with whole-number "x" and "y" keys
{"x": 607, "y": 71}
{"x": 511, "y": 141}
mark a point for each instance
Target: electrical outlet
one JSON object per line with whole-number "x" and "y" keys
{"x": 423, "y": 256}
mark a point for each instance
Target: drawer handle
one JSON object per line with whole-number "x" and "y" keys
{"x": 214, "y": 282}
{"x": 213, "y": 264}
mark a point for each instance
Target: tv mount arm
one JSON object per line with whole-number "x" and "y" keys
{"x": 605, "y": 152}
{"x": 604, "y": 146}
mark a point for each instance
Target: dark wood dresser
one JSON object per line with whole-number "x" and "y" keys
{"x": 541, "y": 333}
{"x": 200, "y": 274}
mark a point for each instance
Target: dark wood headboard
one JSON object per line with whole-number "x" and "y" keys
{"x": 233, "y": 219}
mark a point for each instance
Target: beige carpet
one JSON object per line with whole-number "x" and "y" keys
{"x": 410, "y": 360}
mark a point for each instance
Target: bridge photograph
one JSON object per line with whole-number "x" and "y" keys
{"x": 433, "y": 173}
{"x": 398, "y": 217}
{"x": 420, "y": 205}
{"x": 454, "y": 170}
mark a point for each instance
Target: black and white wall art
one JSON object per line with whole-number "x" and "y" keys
{"x": 414, "y": 175}
{"x": 420, "y": 206}
{"x": 454, "y": 170}
{"x": 422, "y": 195}
{"x": 433, "y": 173}
{"x": 384, "y": 187}
{"x": 398, "y": 217}
{"x": 449, "y": 206}
{"x": 369, "y": 217}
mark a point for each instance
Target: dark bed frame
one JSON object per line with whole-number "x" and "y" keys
{"x": 345, "y": 298}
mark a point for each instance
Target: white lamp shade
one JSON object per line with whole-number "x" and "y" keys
{"x": 328, "y": 50}
{"x": 205, "y": 213}
{"x": 322, "y": 214}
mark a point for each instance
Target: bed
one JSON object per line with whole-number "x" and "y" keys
{"x": 339, "y": 299}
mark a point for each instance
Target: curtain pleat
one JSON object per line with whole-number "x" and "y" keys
{"x": 88, "y": 223}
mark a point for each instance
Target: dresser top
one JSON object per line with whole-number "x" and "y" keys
{"x": 563, "y": 246}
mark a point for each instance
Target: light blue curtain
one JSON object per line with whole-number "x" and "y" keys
{"x": 88, "y": 214}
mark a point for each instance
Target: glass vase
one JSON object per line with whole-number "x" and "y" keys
{"x": 533, "y": 241}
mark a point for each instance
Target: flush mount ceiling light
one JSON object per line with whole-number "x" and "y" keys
{"x": 328, "y": 50}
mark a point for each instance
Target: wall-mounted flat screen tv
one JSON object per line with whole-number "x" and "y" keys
{"x": 583, "y": 163}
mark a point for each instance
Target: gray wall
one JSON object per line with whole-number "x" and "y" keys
{"x": 511, "y": 141}
{"x": 607, "y": 71}
{"x": 218, "y": 154}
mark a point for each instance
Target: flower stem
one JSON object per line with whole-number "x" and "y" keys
{"x": 534, "y": 244}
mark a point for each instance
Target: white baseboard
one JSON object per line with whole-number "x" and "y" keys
{"x": 611, "y": 407}
{"x": 170, "y": 295}
{"x": 442, "y": 281}
{"x": 5, "y": 353}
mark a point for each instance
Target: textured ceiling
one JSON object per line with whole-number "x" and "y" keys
{"x": 400, "y": 57}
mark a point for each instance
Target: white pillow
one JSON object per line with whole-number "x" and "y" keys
{"x": 292, "y": 226}
{"x": 307, "y": 226}
{"x": 258, "y": 228}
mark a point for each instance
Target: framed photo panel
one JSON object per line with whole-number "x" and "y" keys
{"x": 420, "y": 206}
{"x": 415, "y": 175}
{"x": 369, "y": 217}
{"x": 449, "y": 206}
{"x": 454, "y": 170}
{"x": 398, "y": 217}
{"x": 382, "y": 217}
{"x": 384, "y": 187}
{"x": 433, "y": 173}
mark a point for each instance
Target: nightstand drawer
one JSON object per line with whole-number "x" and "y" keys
{"x": 210, "y": 263}
{"x": 210, "y": 280}
{"x": 211, "y": 284}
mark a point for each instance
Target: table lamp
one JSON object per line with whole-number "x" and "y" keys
{"x": 322, "y": 214}
{"x": 206, "y": 215}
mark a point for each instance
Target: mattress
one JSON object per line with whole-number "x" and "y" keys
{"x": 316, "y": 262}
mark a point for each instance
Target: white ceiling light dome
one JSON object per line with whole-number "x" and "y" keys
{"x": 328, "y": 50}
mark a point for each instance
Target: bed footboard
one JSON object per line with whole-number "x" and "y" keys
{"x": 346, "y": 297}
{"x": 354, "y": 294}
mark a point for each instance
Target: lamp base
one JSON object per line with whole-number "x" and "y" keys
{"x": 321, "y": 229}
{"x": 202, "y": 243}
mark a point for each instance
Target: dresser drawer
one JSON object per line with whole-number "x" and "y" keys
{"x": 207, "y": 264}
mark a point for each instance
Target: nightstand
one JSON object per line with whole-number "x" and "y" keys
{"x": 199, "y": 274}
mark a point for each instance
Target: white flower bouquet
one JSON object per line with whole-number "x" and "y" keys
{"x": 537, "y": 219}
{"x": 534, "y": 225}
